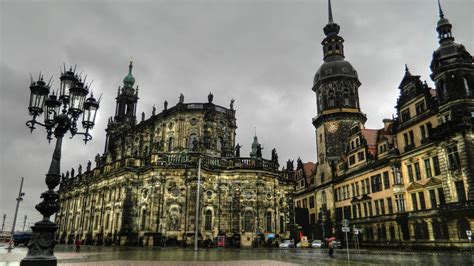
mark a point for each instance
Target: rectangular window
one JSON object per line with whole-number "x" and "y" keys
{"x": 305, "y": 203}
{"x": 421, "y": 195}
{"x": 354, "y": 211}
{"x": 367, "y": 186}
{"x": 460, "y": 191}
{"x": 410, "y": 173}
{"x": 405, "y": 138}
{"x": 352, "y": 160}
{"x": 370, "y": 208}
{"x": 389, "y": 205}
{"x": 417, "y": 171}
{"x": 377, "y": 207}
{"x": 433, "y": 199}
{"x": 366, "y": 213}
{"x": 405, "y": 115}
{"x": 386, "y": 180}
{"x": 422, "y": 132}
{"x": 360, "y": 156}
{"x": 441, "y": 196}
{"x": 357, "y": 188}
{"x": 436, "y": 168}
{"x": 311, "y": 202}
{"x": 414, "y": 202}
{"x": 298, "y": 204}
{"x": 420, "y": 107}
{"x": 376, "y": 183}
{"x": 428, "y": 168}
{"x": 353, "y": 190}
{"x": 412, "y": 137}
{"x": 382, "y": 207}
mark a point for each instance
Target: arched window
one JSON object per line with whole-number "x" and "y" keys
{"x": 268, "y": 221}
{"x": 453, "y": 156}
{"x": 345, "y": 96}
{"x": 208, "y": 220}
{"x": 466, "y": 86}
{"x": 331, "y": 100}
{"x": 282, "y": 224}
{"x": 323, "y": 197}
{"x": 170, "y": 144}
{"x": 463, "y": 226}
{"x": 440, "y": 230}
{"x": 192, "y": 142}
{"x": 248, "y": 221}
{"x": 337, "y": 47}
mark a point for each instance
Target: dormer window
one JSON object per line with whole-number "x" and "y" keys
{"x": 420, "y": 107}
{"x": 405, "y": 115}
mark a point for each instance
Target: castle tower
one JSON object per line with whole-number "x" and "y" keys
{"x": 336, "y": 86}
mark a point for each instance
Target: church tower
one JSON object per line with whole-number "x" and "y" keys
{"x": 126, "y": 101}
{"x": 336, "y": 86}
{"x": 125, "y": 111}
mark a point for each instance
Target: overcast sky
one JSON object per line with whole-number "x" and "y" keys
{"x": 262, "y": 53}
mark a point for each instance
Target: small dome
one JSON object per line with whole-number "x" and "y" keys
{"x": 129, "y": 80}
{"x": 339, "y": 68}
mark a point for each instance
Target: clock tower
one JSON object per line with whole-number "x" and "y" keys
{"x": 337, "y": 99}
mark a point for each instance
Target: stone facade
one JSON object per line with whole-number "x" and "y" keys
{"x": 143, "y": 188}
{"x": 409, "y": 184}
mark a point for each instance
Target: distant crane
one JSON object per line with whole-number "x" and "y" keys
{"x": 20, "y": 198}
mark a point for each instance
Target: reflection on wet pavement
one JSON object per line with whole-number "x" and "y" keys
{"x": 93, "y": 255}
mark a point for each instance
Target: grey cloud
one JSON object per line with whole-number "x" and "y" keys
{"x": 261, "y": 53}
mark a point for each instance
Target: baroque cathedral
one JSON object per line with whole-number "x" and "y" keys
{"x": 409, "y": 184}
{"x": 143, "y": 189}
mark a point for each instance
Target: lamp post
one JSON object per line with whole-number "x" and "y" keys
{"x": 72, "y": 98}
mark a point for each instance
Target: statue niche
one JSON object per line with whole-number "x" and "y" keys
{"x": 174, "y": 218}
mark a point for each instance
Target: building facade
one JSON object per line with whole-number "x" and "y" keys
{"x": 143, "y": 188}
{"x": 409, "y": 184}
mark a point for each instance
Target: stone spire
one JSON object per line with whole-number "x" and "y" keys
{"x": 443, "y": 27}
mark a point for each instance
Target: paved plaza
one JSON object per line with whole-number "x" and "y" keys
{"x": 91, "y": 255}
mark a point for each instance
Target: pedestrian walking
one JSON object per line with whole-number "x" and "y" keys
{"x": 78, "y": 245}
{"x": 331, "y": 249}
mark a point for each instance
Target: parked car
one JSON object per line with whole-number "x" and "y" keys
{"x": 303, "y": 244}
{"x": 22, "y": 238}
{"x": 317, "y": 243}
{"x": 336, "y": 244}
{"x": 287, "y": 243}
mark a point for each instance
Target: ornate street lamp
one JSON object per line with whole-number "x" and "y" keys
{"x": 72, "y": 98}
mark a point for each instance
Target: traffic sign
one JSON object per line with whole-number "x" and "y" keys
{"x": 356, "y": 231}
{"x": 346, "y": 229}
{"x": 345, "y": 223}
{"x": 469, "y": 232}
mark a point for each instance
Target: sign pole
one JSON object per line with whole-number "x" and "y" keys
{"x": 347, "y": 248}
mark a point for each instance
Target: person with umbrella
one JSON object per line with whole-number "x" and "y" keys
{"x": 331, "y": 246}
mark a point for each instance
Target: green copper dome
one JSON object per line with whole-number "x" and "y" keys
{"x": 129, "y": 80}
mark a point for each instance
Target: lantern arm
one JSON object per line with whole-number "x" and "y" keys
{"x": 31, "y": 124}
{"x": 87, "y": 136}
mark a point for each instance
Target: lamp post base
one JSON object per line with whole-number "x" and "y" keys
{"x": 41, "y": 247}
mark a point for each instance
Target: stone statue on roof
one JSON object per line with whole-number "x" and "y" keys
{"x": 165, "y": 105}
{"x": 181, "y": 98}
{"x": 237, "y": 150}
{"x": 210, "y": 97}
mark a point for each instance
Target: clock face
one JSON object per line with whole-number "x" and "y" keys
{"x": 332, "y": 127}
